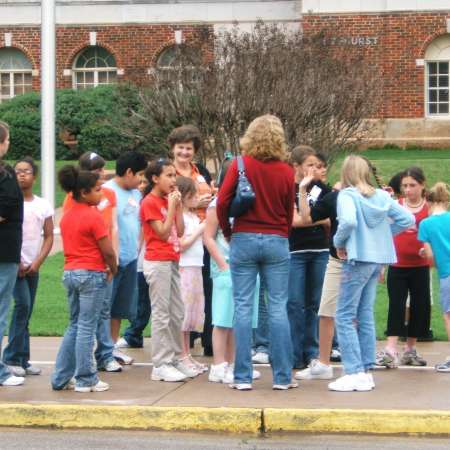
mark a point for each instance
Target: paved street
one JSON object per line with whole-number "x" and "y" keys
{"x": 13, "y": 439}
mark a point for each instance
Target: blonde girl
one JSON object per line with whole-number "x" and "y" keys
{"x": 434, "y": 232}
{"x": 368, "y": 218}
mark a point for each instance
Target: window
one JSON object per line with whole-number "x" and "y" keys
{"x": 179, "y": 62}
{"x": 437, "y": 77}
{"x": 94, "y": 66}
{"x": 15, "y": 73}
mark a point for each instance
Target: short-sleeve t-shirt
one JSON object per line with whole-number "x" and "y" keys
{"x": 193, "y": 256}
{"x": 435, "y": 230}
{"x": 128, "y": 221}
{"x": 81, "y": 229}
{"x": 105, "y": 207}
{"x": 35, "y": 213}
{"x": 154, "y": 208}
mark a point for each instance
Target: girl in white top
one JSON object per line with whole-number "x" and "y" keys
{"x": 191, "y": 263}
{"x": 38, "y": 221}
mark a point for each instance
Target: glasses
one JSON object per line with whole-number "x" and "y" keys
{"x": 24, "y": 171}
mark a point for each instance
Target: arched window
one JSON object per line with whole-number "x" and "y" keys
{"x": 437, "y": 59}
{"x": 178, "y": 61}
{"x": 94, "y": 66}
{"x": 15, "y": 73}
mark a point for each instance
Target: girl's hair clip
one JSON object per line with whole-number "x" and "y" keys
{"x": 93, "y": 155}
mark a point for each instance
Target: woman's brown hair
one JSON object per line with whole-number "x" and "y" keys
{"x": 4, "y": 131}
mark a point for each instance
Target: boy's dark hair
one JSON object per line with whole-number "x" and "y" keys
{"x": 29, "y": 160}
{"x": 91, "y": 161}
{"x": 156, "y": 168}
{"x": 395, "y": 183}
{"x": 226, "y": 163}
{"x": 132, "y": 160}
{"x": 75, "y": 180}
{"x": 185, "y": 133}
{"x": 322, "y": 158}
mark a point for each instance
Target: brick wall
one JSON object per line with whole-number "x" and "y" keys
{"x": 393, "y": 41}
{"x": 135, "y": 47}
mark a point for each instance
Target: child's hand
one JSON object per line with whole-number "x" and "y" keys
{"x": 22, "y": 270}
{"x": 224, "y": 268}
{"x": 204, "y": 200}
{"x": 33, "y": 268}
{"x": 422, "y": 252}
{"x": 308, "y": 179}
{"x": 174, "y": 199}
{"x": 342, "y": 253}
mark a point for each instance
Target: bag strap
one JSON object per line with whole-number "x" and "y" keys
{"x": 241, "y": 167}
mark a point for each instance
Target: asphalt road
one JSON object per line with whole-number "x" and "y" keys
{"x": 26, "y": 439}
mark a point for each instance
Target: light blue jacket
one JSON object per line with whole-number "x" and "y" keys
{"x": 367, "y": 224}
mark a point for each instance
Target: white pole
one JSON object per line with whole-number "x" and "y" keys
{"x": 48, "y": 79}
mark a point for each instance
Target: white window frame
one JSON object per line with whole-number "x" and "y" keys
{"x": 428, "y": 114}
{"x": 12, "y": 84}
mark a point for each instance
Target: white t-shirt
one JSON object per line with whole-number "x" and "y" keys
{"x": 34, "y": 215}
{"x": 193, "y": 256}
{"x": 140, "y": 261}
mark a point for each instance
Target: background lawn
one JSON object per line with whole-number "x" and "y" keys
{"x": 50, "y": 313}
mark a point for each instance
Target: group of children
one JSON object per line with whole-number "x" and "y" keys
{"x": 134, "y": 249}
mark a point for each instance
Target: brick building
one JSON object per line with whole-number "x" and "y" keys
{"x": 102, "y": 41}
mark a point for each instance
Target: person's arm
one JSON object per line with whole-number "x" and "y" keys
{"x": 226, "y": 195}
{"x": 179, "y": 220}
{"x": 163, "y": 228}
{"x": 115, "y": 232}
{"x": 209, "y": 239}
{"x": 107, "y": 251}
{"x": 47, "y": 245}
{"x": 428, "y": 253}
{"x": 346, "y": 213}
{"x": 187, "y": 241}
{"x": 400, "y": 216}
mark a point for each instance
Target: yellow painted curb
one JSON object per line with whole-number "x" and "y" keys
{"x": 357, "y": 421}
{"x": 233, "y": 420}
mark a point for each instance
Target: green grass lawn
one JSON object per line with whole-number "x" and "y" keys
{"x": 50, "y": 314}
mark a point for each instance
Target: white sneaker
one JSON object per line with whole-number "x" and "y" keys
{"x": 260, "y": 358}
{"x": 33, "y": 370}
{"x": 99, "y": 387}
{"x": 241, "y": 386}
{"x": 285, "y": 387}
{"x": 229, "y": 375}
{"x": 17, "y": 371}
{"x": 169, "y": 373}
{"x": 13, "y": 381}
{"x": 122, "y": 357}
{"x": 349, "y": 383}
{"x": 186, "y": 369}
{"x": 217, "y": 373}
{"x": 121, "y": 343}
{"x": 369, "y": 377}
{"x": 315, "y": 371}
{"x": 111, "y": 366}
{"x": 70, "y": 385}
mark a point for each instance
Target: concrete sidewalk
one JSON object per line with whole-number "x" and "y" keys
{"x": 405, "y": 400}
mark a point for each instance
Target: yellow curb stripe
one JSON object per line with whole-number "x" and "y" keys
{"x": 357, "y": 421}
{"x": 233, "y": 420}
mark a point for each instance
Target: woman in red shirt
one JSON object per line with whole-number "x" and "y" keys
{"x": 89, "y": 259}
{"x": 410, "y": 276}
{"x": 259, "y": 245}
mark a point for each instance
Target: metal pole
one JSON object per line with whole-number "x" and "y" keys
{"x": 48, "y": 79}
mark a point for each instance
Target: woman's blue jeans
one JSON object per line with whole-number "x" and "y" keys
{"x": 8, "y": 275}
{"x": 306, "y": 275}
{"x": 17, "y": 352}
{"x": 85, "y": 294}
{"x": 355, "y": 322}
{"x": 267, "y": 255}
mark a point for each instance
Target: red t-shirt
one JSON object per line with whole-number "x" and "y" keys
{"x": 407, "y": 245}
{"x": 81, "y": 228}
{"x": 273, "y": 184}
{"x": 156, "y": 249}
{"x": 105, "y": 207}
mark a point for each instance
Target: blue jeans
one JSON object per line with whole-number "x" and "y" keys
{"x": 306, "y": 275}
{"x": 105, "y": 344}
{"x": 124, "y": 293}
{"x": 17, "y": 352}
{"x": 134, "y": 334}
{"x": 354, "y": 316}
{"x": 8, "y": 275}
{"x": 261, "y": 333}
{"x": 268, "y": 255}
{"x": 85, "y": 295}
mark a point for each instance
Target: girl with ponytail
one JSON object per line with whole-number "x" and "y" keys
{"x": 434, "y": 232}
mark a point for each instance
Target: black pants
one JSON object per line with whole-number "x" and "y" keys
{"x": 414, "y": 281}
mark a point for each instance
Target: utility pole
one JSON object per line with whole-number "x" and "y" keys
{"x": 48, "y": 89}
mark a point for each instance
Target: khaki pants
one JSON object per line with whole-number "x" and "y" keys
{"x": 331, "y": 288}
{"x": 163, "y": 280}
